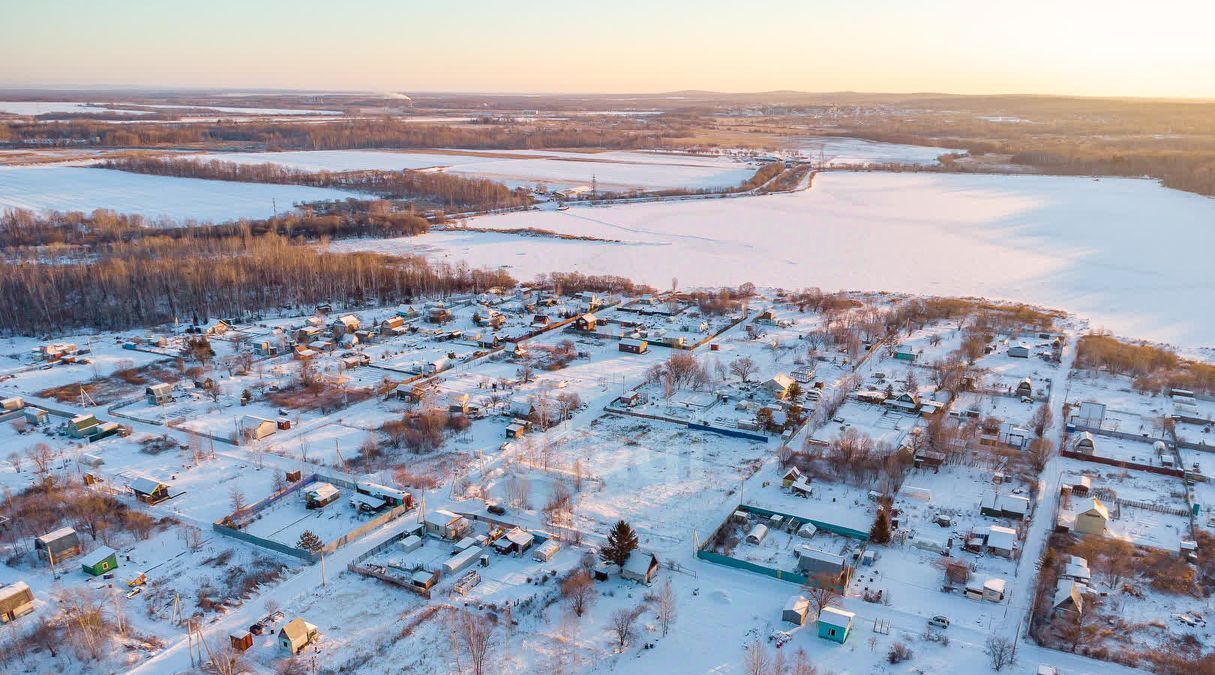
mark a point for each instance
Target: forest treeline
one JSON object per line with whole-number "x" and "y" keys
{"x": 1171, "y": 141}
{"x": 156, "y": 280}
{"x": 29, "y": 234}
{"x": 347, "y": 134}
{"x": 428, "y": 187}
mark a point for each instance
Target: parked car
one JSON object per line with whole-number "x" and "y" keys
{"x": 939, "y": 621}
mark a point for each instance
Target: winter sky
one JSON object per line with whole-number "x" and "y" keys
{"x": 1086, "y": 47}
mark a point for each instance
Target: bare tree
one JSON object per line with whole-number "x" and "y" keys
{"x": 1000, "y": 651}
{"x": 623, "y": 623}
{"x": 14, "y": 460}
{"x": 755, "y": 659}
{"x": 822, "y": 591}
{"x": 802, "y": 665}
{"x": 40, "y": 455}
{"x": 579, "y": 590}
{"x": 474, "y": 637}
{"x": 743, "y": 367}
{"x": 666, "y": 609}
{"x": 237, "y": 496}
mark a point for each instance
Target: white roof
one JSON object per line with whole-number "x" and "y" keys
{"x": 145, "y": 485}
{"x": 14, "y": 589}
{"x": 822, "y": 556}
{"x": 520, "y": 537}
{"x": 253, "y": 421}
{"x": 638, "y": 562}
{"x": 798, "y": 603}
{"x": 422, "y": 576}
{"x": 441, "y": 518}
{"x": 836, "y": 617}
{"x": 57, "y": 534}
{"x": 373, "y": 502}
{"x": 322, "y": 490}
{"x": 781, "y": 380}
{"x": 995, "y": 584}
{"x": 1001, "y": 537}
{"x": 97, "y": 555}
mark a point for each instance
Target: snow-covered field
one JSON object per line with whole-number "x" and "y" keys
{"x": 245, "y": 111}
{"x": 47, "y": 107}
{"x": 611, "y": 170}
{"x": 1128, "y": 254}
{"x": 67, "y": 188}
{"x": 839, "y": 150}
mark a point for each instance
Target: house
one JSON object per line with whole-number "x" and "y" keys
{"x": 992, "y": 589}
{"x": 1025, "y": 388}
{"x": 149, "y": 491}
{"x": 391, "y": 496}
{"x": 12, "y": 403}
{"x": 393, "y": 326}
{"x": 633, "y": 346}
{"x": 159, "y": 394}
{"x": 540, "y": 321}
{"x": 640, "y": 567}
{"x": 303, "y": 352}
{"x": 630, "y": 400}
{"x": 265, "y": 348}
{"x": 835, "y": 624}
{"x": 1005, "y": 506}
{"x": 424, "y": 579}
{"x": 545, "y": 552}
{"x": 344, "y": 325}
{"x": 1076, "y": 569}
{"x": 1001, "y": 540}
{"x": 320, "y": 495}
{"x": 1092, "y": 518}
{"x": 904, "y": 402}
{"x": 296, "y": 635}
{"x": 446, "y": 525}
{"x": 803, "y": 375}
{"x": 516, "y": 430}
{"x": 437, "y": 312}
{"x": 586, "y": 322}
{"x": 779, "y": 385}
{"x": 815, "y": 564}
{"x": 367, "y": 503}
{"x": 240, "y": 640}
{"x": 932, "y": 459}
{"x": 36, "y": 416}
{"x": 800, "y": 487}
{"x": 1084, "y": 443}
{"x": 256, "y": 428}
{"x": 796, "y": 609}
{"x": 16, "y": 600}
{"x": 1068, "y": 599}
{"x": 1092, "y": 414}
{"x": 516, "y": 540}
{"x": 457, "y": 402}
{"x": 1018, "y": 352}
{"x": 100, "y": 561}
{"x": 83, "y": 426}
{"x": 791, "y": 475}
{"x": 905, "y": 354}
{"x": 58, "y": 545}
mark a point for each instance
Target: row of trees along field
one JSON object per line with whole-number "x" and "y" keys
{"x": 352, "y": 134}
{"x": 155, "y": 280}
{"x": 22, "y": 229}
{"x": 435, "y": 188}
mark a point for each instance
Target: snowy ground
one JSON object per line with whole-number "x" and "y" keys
{"x": 839, "y": 150}
{"x": 1073, "y": 243}
{"x": 613, "y": 171}
{"x": 65, "y": 188}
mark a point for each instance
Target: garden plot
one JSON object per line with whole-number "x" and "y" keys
{"x": 331, "y": 444}
{"x": 105, "y": 356}
{"x": 662, "y": 479}
{"x": 286, "y": 518}
{"x": 876, "y": 421}
{"x": 1136, "y": 452}
{"x": 1144, "y": 509}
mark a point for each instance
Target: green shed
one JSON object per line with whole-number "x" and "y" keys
{"x": 835, "y": 624}
{"x": 100, "y": 561}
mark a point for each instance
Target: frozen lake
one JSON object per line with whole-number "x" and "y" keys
{"x": 841, "y": 150}
{"x": 524, "y": 168}
{"x": 1129, "y": 255}
{"x": 70, "y": 188}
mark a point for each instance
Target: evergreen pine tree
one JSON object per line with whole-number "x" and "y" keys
{"x": 309, "y": 542}
{"x": 880, "y": 532}
{"x": 621, "y": 542}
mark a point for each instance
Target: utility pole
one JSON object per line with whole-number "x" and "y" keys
{"x": 323, "y": 568}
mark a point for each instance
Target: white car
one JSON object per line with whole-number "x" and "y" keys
{"x": 939, "y": 621}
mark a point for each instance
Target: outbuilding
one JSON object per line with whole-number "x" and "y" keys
{"x": 835, "y": 624}
{"x": 16, "y": 600}
{"x": 159, "y": 394}
{"x": 446, "y": 525}
{"x": 796, "y": 609}
{"x": 640, "y": 567}
{"x": 57, "y": 546}
{"x": 256, "y": 428}
{"x": 100, "y": 561}
{"x": 1093, "y": 518}
{"x": 633, "y": 346}
{"x": 296, "y": 635}
{"x": 545, "y": 552}
{"x": 149, "y": 491}
{"x": 319, "y": 495}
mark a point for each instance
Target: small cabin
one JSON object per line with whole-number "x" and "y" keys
{"x": 59, "y": 545}
{"x": 587, "y": 322}
{"x": 100, "y": 561}
{"x": 835, "y": 624}
{"x": 297, "y": 635}
{"x": 256, "y": 428}
{"x": 159, "y": 394}
{"x": 640, "y": 567}
{"x": 320, "y": 495}
{"x": 16, "y": 600}
{"x": 149, "y": 491}
{"x": 633, "y": 346}
{"x": 240, "y": 640}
